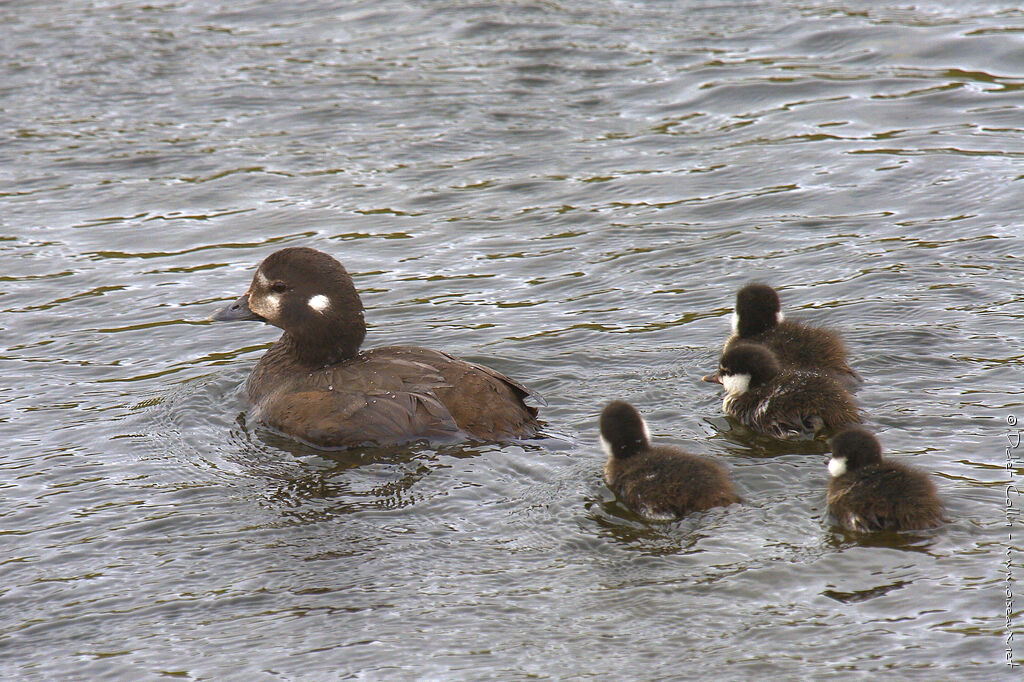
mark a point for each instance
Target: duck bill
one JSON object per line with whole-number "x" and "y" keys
{"x": 236, "y": 312}
{"x": 713, "y": 379}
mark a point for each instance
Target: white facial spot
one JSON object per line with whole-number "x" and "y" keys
{"x": 261, "y": 303}
{"x": 735, "y": 322}
{"x": 779, "y": 317}
{"x": 736, "y": 384}
{"x": 319, "y": 303}
{"x": 837, "y": 466}
{"x": 607, "y": 447}
{"x": 267, "y": 305}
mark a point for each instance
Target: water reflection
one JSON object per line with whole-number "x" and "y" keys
{"x": 308, "y": 484}
{"x": 917, "y": 541}
{"x": 736, "y": 439}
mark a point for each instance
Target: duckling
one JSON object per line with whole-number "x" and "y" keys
{"x": 867, "y": 492}
{"x": 758, "y": 318}
{"x": 315, "y": 384}
{"x": 659, "y": 482}
{"x": 780, "y": 402}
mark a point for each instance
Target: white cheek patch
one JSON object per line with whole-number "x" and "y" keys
{"x": 319, "y": 303}
{"x": 736, "y": 384}
{"x": 779, "y": 317}
{"x": 266, "y": 306}
{"x": 735, "y": 323}
{"x": 837, "y": 466}
{"x": 607, "y": 447}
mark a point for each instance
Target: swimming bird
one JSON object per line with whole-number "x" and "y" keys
{"x": 868, "y": 492}
{"x": 317, "y": 385}
{"x": 758, "y": 318}
{"x": 658, "y": 482}
{"x": 780, "y": 402}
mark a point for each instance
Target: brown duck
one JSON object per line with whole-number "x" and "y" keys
{"x": 315, "y": 383}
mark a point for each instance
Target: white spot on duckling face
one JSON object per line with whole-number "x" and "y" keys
{"x": 647, "y": 431}
{"x": 607, "y": 446}
{"x": 779, "y": 317}
{"x": 837, "y": 466}
{"x": 736, "y": 384}
{"x": 319, "y": 303}
{"x": 735, "y": 323}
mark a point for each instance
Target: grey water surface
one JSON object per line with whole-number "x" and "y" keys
{"x": 570, "y": 192}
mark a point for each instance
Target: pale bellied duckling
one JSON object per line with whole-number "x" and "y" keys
{"x": 659, "y": 482}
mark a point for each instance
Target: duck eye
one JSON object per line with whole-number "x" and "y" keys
{"x": 279, "y": 287}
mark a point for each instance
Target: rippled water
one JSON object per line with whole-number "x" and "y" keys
{"x": 570, "y": 192}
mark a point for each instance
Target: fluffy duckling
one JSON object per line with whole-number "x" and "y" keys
{"x": 758, "y": 318}
{"x": 780, "y": 402}
{"x": 867, "y": 492}
{"x": 659, "y": 482}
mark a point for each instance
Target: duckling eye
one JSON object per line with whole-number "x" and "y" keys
{"x": 279, "y": 287}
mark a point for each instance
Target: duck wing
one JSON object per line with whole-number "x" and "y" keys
{"x": 369, "y": 400}
{"x": 341, "y": 418}
{"x": 486, "y": 404}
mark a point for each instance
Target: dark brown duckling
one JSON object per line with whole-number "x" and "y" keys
{"x": 868, "y": 493}
{"x": 758, "y": 318}
{"x": 659, "y": 482}
{"x": 780, "y": 402}
{"x": 316, "y": 384}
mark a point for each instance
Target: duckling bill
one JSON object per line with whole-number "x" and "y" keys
{"x": 317, "y": 385}
{"x": 658, "y": 482}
